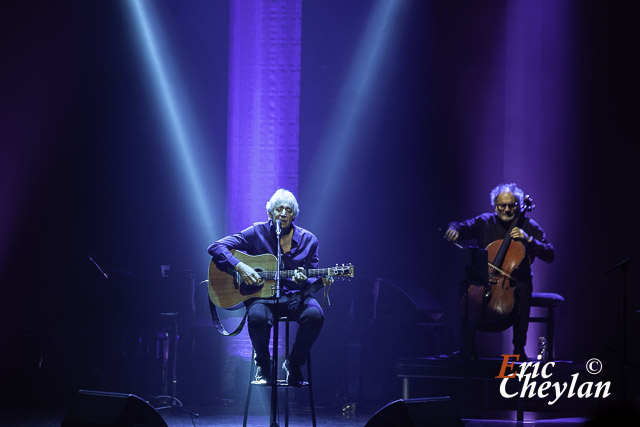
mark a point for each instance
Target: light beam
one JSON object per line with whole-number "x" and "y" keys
{"x": 339, "y": 141}
{"x": 178, "y": 135}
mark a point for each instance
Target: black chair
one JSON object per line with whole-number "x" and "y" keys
{"x": 280, "y": 383}
{"x": 551, "y": 302}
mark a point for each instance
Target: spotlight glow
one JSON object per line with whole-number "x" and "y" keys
{"x": 338, "y": 143}
{"x": 177, "y": 132}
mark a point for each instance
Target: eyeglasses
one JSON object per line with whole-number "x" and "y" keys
{"x": 503, "y": 206}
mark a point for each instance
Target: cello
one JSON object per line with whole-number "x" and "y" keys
{"x": 489, "y": 306}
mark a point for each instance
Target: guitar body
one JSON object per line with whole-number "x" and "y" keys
{"x": 226, "y": 289}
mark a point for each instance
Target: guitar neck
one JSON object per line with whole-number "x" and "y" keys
{"x": 287, "y": 274}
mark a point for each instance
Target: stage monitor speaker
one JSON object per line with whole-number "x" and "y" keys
{"x": 99, "y": 408}
{"x": 434, "y": 411}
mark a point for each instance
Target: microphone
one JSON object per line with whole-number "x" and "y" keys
{"x": 278, "y": 230}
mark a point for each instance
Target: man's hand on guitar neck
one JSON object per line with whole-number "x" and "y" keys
{"x": 248, "y": 274}
{"x": 298, "y": 275}
{"x": 251, "y": 277}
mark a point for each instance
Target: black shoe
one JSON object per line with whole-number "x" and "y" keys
{"x": 263, "y": 375}
{"x": 294, "y": 374}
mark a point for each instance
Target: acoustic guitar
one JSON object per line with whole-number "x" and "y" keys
{"x": 226, "y": 288}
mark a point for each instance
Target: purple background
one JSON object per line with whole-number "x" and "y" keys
{"x": 461, "y": 96}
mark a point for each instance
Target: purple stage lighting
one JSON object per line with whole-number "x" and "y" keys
{"x": 264, "y": 104}
{"x": 263, "y": 120}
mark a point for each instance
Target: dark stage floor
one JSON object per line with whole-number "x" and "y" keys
{"x": 473, "y": 399}
{"x": 222, "y": 417}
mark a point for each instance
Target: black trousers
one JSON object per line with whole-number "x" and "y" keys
{"x": 524, "y": 289}
{"x": 306, "y": 311}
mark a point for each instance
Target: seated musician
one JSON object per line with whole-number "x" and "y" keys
{"x": 299, "y": 252}
{"x": 486, "y": 228}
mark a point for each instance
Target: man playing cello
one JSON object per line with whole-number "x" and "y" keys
{"x": 507, "y": 200}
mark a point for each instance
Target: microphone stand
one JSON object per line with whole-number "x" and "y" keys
{"x": 274, "y": 365}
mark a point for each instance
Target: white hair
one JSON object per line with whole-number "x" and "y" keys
{"x": 507, "y": 188}
{"x": 283, "y": 197}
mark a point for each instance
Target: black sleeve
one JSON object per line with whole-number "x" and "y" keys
{"x": 539, "y": 246}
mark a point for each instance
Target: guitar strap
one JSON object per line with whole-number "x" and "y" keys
{"x": 218, "y": 324}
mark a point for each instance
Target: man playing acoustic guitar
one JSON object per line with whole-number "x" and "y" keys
{"x": 299, "y": 253}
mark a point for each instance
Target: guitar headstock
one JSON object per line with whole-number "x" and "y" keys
{"x": 341, "y": 271}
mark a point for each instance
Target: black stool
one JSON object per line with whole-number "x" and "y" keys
{"x": 280, "y": 383}
{"x": 550, "y": 301}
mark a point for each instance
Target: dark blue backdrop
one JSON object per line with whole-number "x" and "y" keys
{"x": 86, "y": 170}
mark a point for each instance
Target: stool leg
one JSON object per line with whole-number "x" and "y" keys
{"x": 313, "y": 408}
{"x": 274, "y": 376}
{"x": 550, "y": 333}
{"x": 286, "y": 389}
{"x": 519, "y": 409}
{"x": 251, "y": 374}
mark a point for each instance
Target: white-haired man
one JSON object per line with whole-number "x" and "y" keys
{"x": 491, "y": 226}
{"x": 299, "y": 251}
